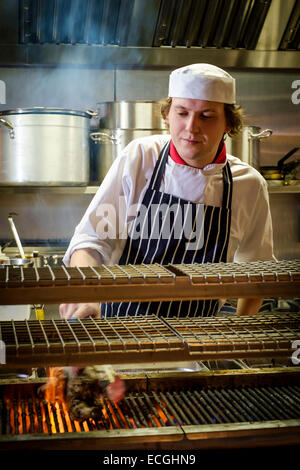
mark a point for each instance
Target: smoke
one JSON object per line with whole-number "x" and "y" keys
{"x": 73, "y": 51}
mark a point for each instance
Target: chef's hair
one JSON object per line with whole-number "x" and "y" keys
{"x": 233, "y": 112}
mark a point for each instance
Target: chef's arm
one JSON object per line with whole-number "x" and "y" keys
{"x": 85, "y": 257}
{"x": 82, "y": 258}
{"x": 249, "y": 306}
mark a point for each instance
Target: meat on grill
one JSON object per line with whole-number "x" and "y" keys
{"x": 82, "y": 389}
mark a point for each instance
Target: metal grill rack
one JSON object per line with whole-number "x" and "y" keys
{"x": 261, "y": 271}
{"x": 62, "y": 342}
{"x": 20, "y": 285}
{"x": 269, "y": 334}
{"x": 146, "y": 339}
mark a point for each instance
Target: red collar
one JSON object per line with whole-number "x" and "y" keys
{"x": 219, "y": 158}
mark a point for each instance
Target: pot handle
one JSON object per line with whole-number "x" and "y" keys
{"x": 9, "y": 126}
{"x": 103, "y": 137}
{"x": 92, "y": 113}
{"x": 262, "y": 135}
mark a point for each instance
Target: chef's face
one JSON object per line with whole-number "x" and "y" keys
{"x": 196, "y": 128}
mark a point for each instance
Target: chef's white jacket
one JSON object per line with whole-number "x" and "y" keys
{"x": 114, "y": 206}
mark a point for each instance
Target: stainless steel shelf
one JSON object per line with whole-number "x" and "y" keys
{"x": 49, "y": 189}
{"x": 112, "y": 56}
{"x": 274, "y": 186}
{"x": 277, "y": 186}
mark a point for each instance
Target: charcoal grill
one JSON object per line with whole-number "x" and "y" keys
{"x": 176, "y": 410}
{"x": 199, "y": 410}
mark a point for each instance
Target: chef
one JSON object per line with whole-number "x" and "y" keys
{"x": 178, "y": 198}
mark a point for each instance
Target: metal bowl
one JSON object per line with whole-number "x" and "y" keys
{"x": 16, "y": 262}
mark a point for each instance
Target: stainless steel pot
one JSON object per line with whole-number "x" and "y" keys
{"x": 246, "y": 145}
{"x": 108, "y": 143}
{"x": 120, "y": 123}
{"x": 132, "y": 115}
{"x": 44, "y": 146}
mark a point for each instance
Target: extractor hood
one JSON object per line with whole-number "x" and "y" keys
{"x": 150, "y": 33}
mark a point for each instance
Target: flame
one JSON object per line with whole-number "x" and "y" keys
{"x": 51, "y": 414}
{"x": 54, "y": 388}
{"x": 162, "y": 416}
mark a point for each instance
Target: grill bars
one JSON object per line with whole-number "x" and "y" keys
{"x": 20, "y": 285}
{"x": 24, "y": 413}
{"x": 89, "y": 335}
{"x": 261, "y": 271}
{"x": 46, "y": 276}
{"x": 265, "y": 333}
{"x": 147, "y": 339}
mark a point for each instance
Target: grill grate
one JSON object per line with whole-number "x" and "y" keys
{"x": 88, "y": 335}
{"x": 147, "y": 339}
{"x": 256, "y": 271}
{"x": 46, "y": 276}
{"x": 24, "y": 413}
{"x": 262, "y": 333}
{"x": 20, "y": 285}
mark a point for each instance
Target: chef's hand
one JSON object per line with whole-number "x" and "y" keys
{"x": 82, "y": 257}
{"x": 84, "y": 310}
{"x": 249, "y": 306}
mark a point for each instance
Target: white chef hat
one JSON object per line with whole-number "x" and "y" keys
{"x": 202, "y": 82}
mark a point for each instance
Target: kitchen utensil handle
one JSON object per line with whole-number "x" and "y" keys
{"x": 103, "y": 137}
{"x": 9, "y": 125}
{"x": 288, "y": 155}
{"x": 262, "y": 135}
{"x": 92, "y": 113}
{"x": 16, "y": 236}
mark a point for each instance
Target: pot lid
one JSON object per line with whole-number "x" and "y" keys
{"x": 44, "y": 110}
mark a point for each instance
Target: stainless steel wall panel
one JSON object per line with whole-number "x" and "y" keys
{"x": 143, "y": 89}
{"x": 285, "y": 210}
{"x": 42, "y": 214}
{"x": 56, "y": 87}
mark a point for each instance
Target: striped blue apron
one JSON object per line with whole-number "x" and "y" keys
{"x": 173, "y": 247}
